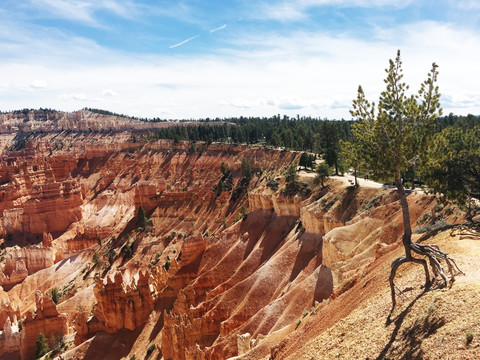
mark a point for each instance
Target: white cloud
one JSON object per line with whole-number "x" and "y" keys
{"x": 357, "y": 3}
{"x": 109, "y": 92}
{"x": 125, "y": 9}
{"x": 243, "y": 103}
{"x": 283, "y": 12}
{"x": 78, "y": 96}
{"x": 307, "y": 73}
{"x": 465, "y": 4}
{"x": 72, "y": 10}
{"x": 85, "y": 11}
{"x": 296, "y": 10}
{"x": 219, "y": 28}
{"x": 38, "y": 84}
{"x": 184, "y": 41}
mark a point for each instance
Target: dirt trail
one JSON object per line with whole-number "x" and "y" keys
{"x": 346, "y": 179}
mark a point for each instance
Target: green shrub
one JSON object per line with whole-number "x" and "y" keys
{"x": 57, "y": 343}
{"x": 246, "y": 169}
{"x": 56, "y": 295}
{"x": 469, "y": 337}
{"x": 166, "y": 266}
{"x": 223, "y": 168}
{"x": 273, "y": 184}
{"x": 127, "y": 250}
{"x": 142, "y": 220}
{"x": 243, "y": 211}
{"x": 426, "y": 228}
{"x": 111, "y": 256}
{"x": 373, "y": 202}
{"x": 41, "y": 346}
{"x": 426, "y": 217}
{"x": 150, "y": 349}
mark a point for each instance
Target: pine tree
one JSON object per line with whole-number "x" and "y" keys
{"x": 246, "y": 169}
{"x": 392, "y": 137}
{"x": 453, "y": 166}
{"x": 322, "y": 174}
{"x": 142, "y": 220}
{"x": 41, "y": 346}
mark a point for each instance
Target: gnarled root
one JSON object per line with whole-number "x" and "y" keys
{"x": 434, "y": 255}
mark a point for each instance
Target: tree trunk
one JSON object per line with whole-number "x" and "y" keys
{"x": 355, "y": 173}
{"x": 432, "y": 252}
{"x": 407, "y": 228}
{"x": 413, "y": 178}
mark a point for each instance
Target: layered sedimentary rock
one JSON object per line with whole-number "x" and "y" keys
{"x": 46, "y": 320}
{"x": 21, "y": 262}
{"x": 82, "y": 120}
{"x": 35, "y": 198}
{"x": 282, "y": 205}
{"x": 18, "y": 340}
{"x": 213, "y": 263}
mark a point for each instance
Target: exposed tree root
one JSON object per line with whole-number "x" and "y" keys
{"x": 435, "y": 256}
{"x": 467, "y": 231}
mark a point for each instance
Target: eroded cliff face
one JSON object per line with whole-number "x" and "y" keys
{"x": 21, "y": 262}
{"x": 82, "y": 120}
{"x": 208, "y": 265}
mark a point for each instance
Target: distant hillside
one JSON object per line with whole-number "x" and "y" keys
{"x": 48, "y": 120}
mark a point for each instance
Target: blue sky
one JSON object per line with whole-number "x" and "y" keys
{"x": 197, "y": 59}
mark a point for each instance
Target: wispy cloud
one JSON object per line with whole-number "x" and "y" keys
{"x": 75, "y": 96}
{"x": 219, "y": 28}
{"x": 243, "y": 103}
{"x": 109, "y": 92}
{"x": 38, "y": 84}
{"x": 287, "y": 71}
{"x": 85, "y": 11}
{"x": 184, "y": 42}
{"x": 465, "y": 4}
{"x": 283, "y": 12}
{"x": 296, "y": 10}
{"x": 80, "y": 11}
{"x": 125, "y": 9}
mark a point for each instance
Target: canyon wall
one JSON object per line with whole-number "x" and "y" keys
{"x": 210, "y": 273}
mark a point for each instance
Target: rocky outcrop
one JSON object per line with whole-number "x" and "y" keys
{"x": 33, "y": 201}
{"x": 211, "y": 266}
{"x": 282, "y": 205}
{"x": 45, "y": 320}
{"x": 82, "y": 120}
{"x": 248, "y": 287}
{"x": 10, "y": 338}
{"x": 123, "y": 304}
{"x": 146, "y": 194}
{"x": 21, "y": 262}
{"x": 7, "y": 309}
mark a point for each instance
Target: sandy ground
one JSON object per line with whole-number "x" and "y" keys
{"x": 425, "y": 325}
{"x": 347, "y": 179}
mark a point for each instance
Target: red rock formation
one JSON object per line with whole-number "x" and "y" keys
{"x": 21, "y": 262}
{"x": 46, "y": 320}
{"x": 197, "y": 279}
{"x": 123, "y": 305}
